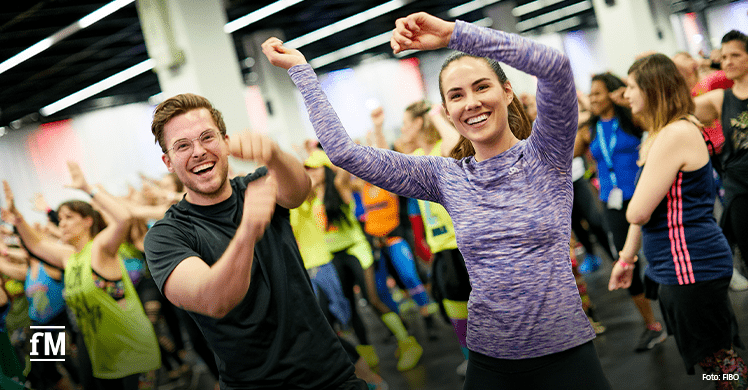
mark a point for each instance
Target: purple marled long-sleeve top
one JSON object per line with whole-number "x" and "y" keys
{"x": 511, "y": 212}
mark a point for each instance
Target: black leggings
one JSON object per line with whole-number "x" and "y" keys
{"x": 587, "y": 207}
{"x": 577, "y": 368}
{"x": 738, "y": 225}
{"x": 351, "y": 274}
{"x": 619, "y": 228}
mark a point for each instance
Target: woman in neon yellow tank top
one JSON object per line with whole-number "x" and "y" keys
{"x": 119, "y": 339}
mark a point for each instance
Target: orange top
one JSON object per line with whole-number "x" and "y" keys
{"x": 382, "y": 211}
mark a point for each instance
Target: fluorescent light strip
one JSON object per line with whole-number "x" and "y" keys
{"x": 46, "y": 43}
{"x": 554, "y": 15}
{"x": 346, "y": 23}
{"x": 532, "y": 7}
{"x": 564, "y": 24}
{"x": 261, "y": 13}
{"x": 35, "y": 49}
{"x": 102, "y": 12}
{"x": 348, "y": 51}
{"x": 469, "y": 7}
{"x": 385, "y": 37}
{"x": 102, "y": 85}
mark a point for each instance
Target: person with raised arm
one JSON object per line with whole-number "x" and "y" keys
{"x": 510, "y": 199}
{"x": 730, "y": 106}
{"x": 118, "y": 340}
{"x": 226, "y": 253}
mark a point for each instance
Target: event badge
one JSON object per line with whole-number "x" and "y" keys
{"x": 577, "y": 168}
{"x": 615, "y": 199}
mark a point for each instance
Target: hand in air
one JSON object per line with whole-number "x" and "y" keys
{"x": 40, "y": 204}
{"x": 420, "y": 31}
{"x": 377, "y": 117}
{"x": 78, "y": 181}
{"x": 252, "y": 146}
{"x": 259, "y": 204}
{"x": 9, "y": 212}
{"x": 280, "y": 55}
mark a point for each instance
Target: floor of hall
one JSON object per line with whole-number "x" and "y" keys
{"x": 658, "y": 369}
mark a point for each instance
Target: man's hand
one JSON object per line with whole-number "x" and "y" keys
{"x": 420, "y": 31}
{"x": 259, "y": 205}
{"x": 252, "y": 146}
{"x": 282, "y": 56}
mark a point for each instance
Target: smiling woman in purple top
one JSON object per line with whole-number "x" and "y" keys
{"x": 509, "y": 197}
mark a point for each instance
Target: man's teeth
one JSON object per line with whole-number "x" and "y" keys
{"x": 199, "y": 168}
{"x": 476, "y": 119}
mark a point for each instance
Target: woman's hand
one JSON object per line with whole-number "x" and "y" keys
{"x": 617, "y": 97}
{"x": 420, "y": 31}
{"x": 40, "y": 204}
{"x": 280, "y": 55}
{"x": 78, "y": 181}
{"x": 377, "y": 117}
{"x": 621, "y": 276}
{"x": 10, "y": 213}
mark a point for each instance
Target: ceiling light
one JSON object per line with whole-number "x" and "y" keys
{"x": 564, "y": 24}
{"x": 35, "y": 49}
{"x": 469, "y": 7}
{"x": 383, "y": 38}
{"x": 346, "y": 23}
{"x": 46, "y": 43}
{"x": 348, "y": 51}
{"x": 156, "y": 99}
{"x": 552, "y": 16}
{"x": 261, "y": 13}
{"x": 533, "y": 6}
{"x": 102, "y": 85}
{"x": 102, "y": 12}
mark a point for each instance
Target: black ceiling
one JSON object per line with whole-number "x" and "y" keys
{"x": 116, "y": 43}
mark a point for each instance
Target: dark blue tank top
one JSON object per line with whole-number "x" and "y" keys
{"x": 682, "y": 241}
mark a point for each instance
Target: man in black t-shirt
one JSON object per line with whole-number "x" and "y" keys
{"x": 730, "y": 106}
{"x": 227, "y": 255}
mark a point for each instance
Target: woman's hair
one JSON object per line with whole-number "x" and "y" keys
{"x": 335, "y": 207}
{"x": 666, "y": 95}
{"x": 85, "y": 210}
{"x": 519, "y": 121}
{"x": 178, "y": 105}
{"x": 420, "y": 109}
{"x": 625, "y": 118}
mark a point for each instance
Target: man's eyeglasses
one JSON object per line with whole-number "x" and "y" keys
{"x": 184, "y": 147}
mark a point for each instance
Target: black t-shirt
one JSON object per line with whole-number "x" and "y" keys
{"x": 734, "y": 155}
{"x": 277, "y": 337}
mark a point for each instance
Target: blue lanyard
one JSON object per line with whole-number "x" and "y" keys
{"x": 607, "y": 149}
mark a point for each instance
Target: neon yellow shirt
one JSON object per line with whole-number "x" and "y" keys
{"x": 440, "y": 232}
{"x": 120, "y": 341}
{"x": 310, "y": 235}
